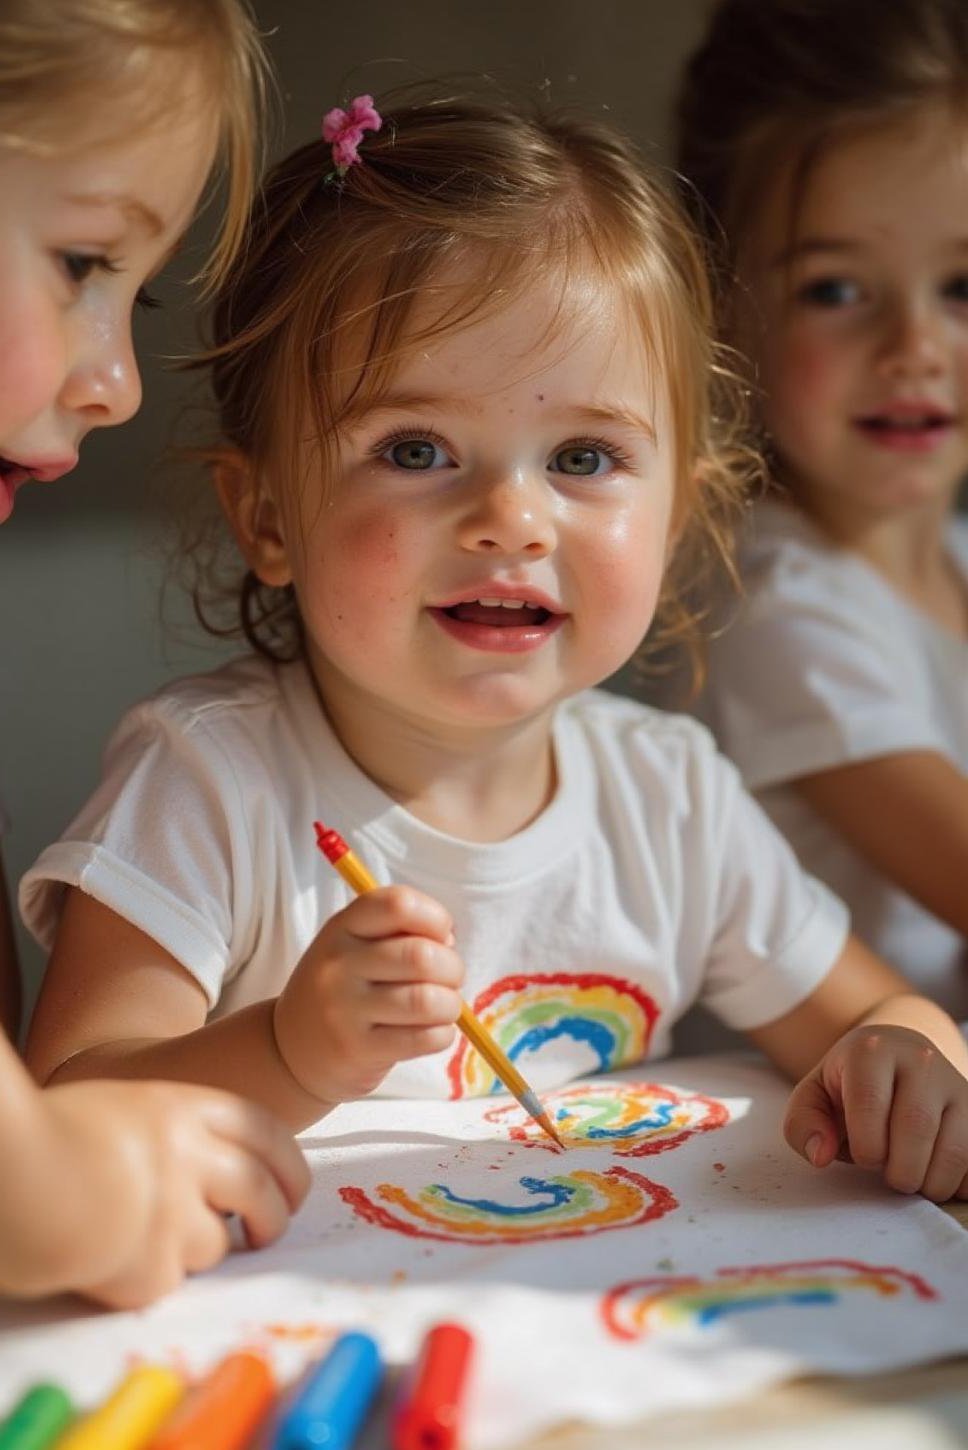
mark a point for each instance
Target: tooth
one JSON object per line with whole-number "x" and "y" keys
{"x": 514, "y": 604}
{"x": 490, "y": 603}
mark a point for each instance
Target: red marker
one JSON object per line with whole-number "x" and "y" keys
{"x": 428, "y": 1415}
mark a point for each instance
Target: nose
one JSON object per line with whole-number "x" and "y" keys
{"x": 511, "y": 515}
{"x": 103, "y": 386}
{"x": 914, "y": 340}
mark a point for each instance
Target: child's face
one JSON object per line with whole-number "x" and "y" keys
{"x": 495, "y": 536}
{"x": 859, "y": 331}
{"x": 80, "y": 232}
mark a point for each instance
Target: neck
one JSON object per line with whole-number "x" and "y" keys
{"x": 476, "y": 783}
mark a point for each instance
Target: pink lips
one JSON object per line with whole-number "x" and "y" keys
{"x": 496, "y": 627}
{"x": 908, "y": 427}
{"x": 14, "y": 475}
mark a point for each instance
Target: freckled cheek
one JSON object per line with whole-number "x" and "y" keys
{"x": 360, "y": 570}
{"x": 624, "y": 562}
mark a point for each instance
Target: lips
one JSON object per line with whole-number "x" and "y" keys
{"x": 497, "y": 619}
{"x": 912, "y": 428}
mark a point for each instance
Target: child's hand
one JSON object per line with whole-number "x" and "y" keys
{"x": 128, "y": 1185}
{"x": 884, "y": 1097}
{"x": 378, "y": 984}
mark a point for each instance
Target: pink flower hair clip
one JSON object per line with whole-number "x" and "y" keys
{"x": 344, "y": 131}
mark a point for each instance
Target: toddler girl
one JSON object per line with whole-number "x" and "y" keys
{"x": 465, "y": 393}
{"x": 825, "y": 146}
{"x": 111, "y": 118}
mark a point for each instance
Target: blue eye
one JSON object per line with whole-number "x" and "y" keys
{"x": 829, "y": 292}
{"x": 417, "y": 455}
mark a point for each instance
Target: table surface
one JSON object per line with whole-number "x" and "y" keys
{"x": 924, "y": 1408}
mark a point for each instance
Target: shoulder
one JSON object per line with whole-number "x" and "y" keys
{"x": 783, "y": 559}
{"x": 957, "y": 540}
{"x": 668, "y": 755}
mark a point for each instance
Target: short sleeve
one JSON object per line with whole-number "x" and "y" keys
{"x": 163, "y": 842}
{"x": 777, "y": 930}
{"x": 810, "y": 675}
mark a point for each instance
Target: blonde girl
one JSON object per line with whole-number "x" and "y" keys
{"x": 112, "y": 115}
{"x": 825, "y": 148}
{"x": 466, "y": 394}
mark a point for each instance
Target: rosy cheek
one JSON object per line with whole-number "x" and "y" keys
{"x": 30, "y": 375}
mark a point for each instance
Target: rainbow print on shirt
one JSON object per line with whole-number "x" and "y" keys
{"x": 610, "y": 1019}
{"x": 641, "y": 1307}
{"x": 561, "y": 1207}
{"x": 629, "y": 1119}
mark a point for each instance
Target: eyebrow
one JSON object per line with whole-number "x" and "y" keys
{"x": 837, "y": 246}
{"x": 410, "y": 402}
{"x": 130, "y": 205}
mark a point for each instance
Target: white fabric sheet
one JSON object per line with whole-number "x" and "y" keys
{"x": 741, "y": 1265}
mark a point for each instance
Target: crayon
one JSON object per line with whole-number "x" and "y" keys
{"x": 131, "y": 1415}
{"x": 37, "y": 1419}
{"x": 428, "y": 1415}
{"x": 356, "y": 875}
{"x": 331, "y": 1406}
{"x": 224, "y": 1410}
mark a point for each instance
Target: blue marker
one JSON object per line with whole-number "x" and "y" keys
{"x": 330, "y": 1409}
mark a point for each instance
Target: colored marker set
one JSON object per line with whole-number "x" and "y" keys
{"x": 151, "y": 1410}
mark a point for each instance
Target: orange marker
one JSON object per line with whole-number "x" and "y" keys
{"x": 355, "y": 874}
{"x": 428, "y": 1415}
{"x": 224, "y": 1411}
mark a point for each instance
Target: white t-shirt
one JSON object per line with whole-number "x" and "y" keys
{"x": 825, "y": 663}
{"x": 650, "y": 881}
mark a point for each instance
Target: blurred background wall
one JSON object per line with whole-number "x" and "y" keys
{"x": 86, "y": 626}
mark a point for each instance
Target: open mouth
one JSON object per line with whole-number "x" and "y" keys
{"x": 488, "y": 623}
{"x": 498, "y": 613}
{"x": 907, "y": 429}
{"x": 13, "y": 474}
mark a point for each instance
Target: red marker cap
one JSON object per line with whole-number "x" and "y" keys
{"x": 429, "y": 1412}
{"x": 331, "y": 843}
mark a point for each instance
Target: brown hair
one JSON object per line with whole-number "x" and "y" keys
{"x": 508, "y": 192}
{"x": 775, "y": 81}
{"x": 57, "y": 56}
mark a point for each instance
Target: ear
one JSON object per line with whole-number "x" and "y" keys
{"x": 253, "y": 517}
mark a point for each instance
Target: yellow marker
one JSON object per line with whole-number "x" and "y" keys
{"x": 129, "y": 1418}
{"x": 355, "y": 874}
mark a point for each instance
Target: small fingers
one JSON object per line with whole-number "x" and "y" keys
{"x": 810, "y": 1125}
{"x": 915, "y": 1121}
{"x": 395, "y": 911}
{"x": 413, "y": 1004}
{"x": 868, "y": 1085}
{"x": 263, "y": 1139}
{"x": 236, "y": 1182}
{"x": 414, "y": 959}
{"x": 947, "y": 1173}
{"x": 398, "y": 1043}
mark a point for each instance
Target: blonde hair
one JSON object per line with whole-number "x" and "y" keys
{"x": 57, "y": 55}
{"x": 510, "y": 194}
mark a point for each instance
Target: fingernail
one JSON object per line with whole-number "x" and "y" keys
{"x": 812, "y": 1146}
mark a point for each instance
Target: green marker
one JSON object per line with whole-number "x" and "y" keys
{"x": 37, "y": 1420}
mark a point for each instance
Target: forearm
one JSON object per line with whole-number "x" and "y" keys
{"x": 237, "y": 1053}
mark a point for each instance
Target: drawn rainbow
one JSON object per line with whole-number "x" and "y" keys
{"x": 611, "y": 1018}
{"x": 564, "y": 1207}
{"x": 630, "y": 1119}
{"x": 641, "y": 1307}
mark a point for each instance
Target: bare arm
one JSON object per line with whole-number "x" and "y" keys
{"x": 376, "y": 985}
{"x": 859, "y": 988}
{"x": 9, "y": 969}
{"x": 147, "y": 1020}
{"x": 907, "y": 814}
